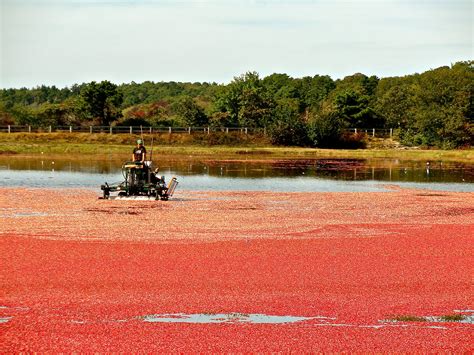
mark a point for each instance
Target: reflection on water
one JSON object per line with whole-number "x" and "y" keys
{"x": 285, "y": 175}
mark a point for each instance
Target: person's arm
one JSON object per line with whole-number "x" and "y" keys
{"x": 143, "y": 154}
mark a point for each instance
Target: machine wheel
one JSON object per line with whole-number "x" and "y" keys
{"x": 164, "y": 197}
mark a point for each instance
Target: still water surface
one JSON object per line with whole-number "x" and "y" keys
{"x": 267, "y": 175}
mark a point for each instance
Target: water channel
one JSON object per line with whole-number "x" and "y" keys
{"x": 283, "y": 175}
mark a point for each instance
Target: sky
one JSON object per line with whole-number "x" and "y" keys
{"x": 62, "y": 42}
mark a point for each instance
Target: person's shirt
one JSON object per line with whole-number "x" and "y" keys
{"x": 138, "y": 153}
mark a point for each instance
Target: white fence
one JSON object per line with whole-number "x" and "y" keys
{"x": 126, "y": 129}
{"x": 373, "y": 132}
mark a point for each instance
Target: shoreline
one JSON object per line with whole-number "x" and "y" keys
{"x": 236, "y": 154}
{"x": 103, "y": 146}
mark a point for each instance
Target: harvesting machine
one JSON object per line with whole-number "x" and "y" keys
{"x": 140, "y": 180}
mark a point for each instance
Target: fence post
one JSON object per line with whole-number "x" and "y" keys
{"x": 373, "y": 132}
{"x": 189, "y": 130}
{"x": 70, "y": 129}
{"x": 150, "y": 129}
{"x": 169, "y": 130}
{"x": 208, "y": 130}
{"x": 245, "y": 130}
{"x": 355, "y": 130}
{"x": 29, "y": 129}
{"x": 110, "y": 129}
{"x": 227, "y": 130}
{"x": 131, "y": 130}
{"x": 391, "y": 132}
{"x": 9, "y": 129}
{"x": 50, "y": 129}
{"x": 90, "y": 129}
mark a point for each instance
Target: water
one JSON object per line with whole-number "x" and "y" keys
{"x": 223, "y": 318}
{"x": 275, "y": 319}
{"x": 344, "y": 175}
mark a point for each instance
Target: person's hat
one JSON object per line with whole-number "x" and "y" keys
{"x": 139, "y": 141}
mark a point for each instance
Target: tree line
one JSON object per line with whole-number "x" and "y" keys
{"x": 434, "y": 108}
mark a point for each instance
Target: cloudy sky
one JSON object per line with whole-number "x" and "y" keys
{"x": 61, "y": 42}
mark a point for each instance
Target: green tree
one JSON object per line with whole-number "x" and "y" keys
{"x": 441, "y": 113}
{"x": 24, "y": 115}
{"x": 189, "y": 112}
{"x": 354, "y": 109}
{"x": 246, "y": 101}
{"x": 6, "y": 118}
{"x": 288, "y": 127}
{"x": 314, "y": 90}
{"x": 101, "y": 101}
{"x": 255, "y": 108}
{"x": 369, "y": 84}
{"x": 220, "y": 119}
{"x": 227, "y": 101}
{"x": 325, "y": 131}
{"x": 397, "y": 106}
{"x": 280, "y": 86}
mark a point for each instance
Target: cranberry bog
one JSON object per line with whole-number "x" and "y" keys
{"x": 234, "y": 271}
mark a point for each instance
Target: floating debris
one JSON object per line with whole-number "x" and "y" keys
{"x": 457, "y": 318}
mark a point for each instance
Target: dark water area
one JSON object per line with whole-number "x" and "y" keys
{"x": 264, "y": 174}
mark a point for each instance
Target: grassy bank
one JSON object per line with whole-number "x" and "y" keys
{"x": 223, "y": 147}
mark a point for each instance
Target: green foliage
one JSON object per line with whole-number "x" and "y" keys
{"x": 46, "y": 114}
{"x": 221, "y": 119}
{"x": 37, "y": 96}
{"x": 247, "y": 101}
{"x": 101, "y": 101}
{"x": 6, "y": 118}
{"x": 434, "y": 108}
{"x": 355, "y": 111}
{"x": 54, "y": 114}
{"x": 255, "y": 108}
{"x": 189, "y": 113}
{"x": 313, "y": 91}
{"x": 154, "y": 114}
{"x": 133, "y": 122}
{"x": 369, "y": 84}
{"x": 288, "y": 128}
{"x": 325, "y": 131}
{"x": 397, "y": 105}
{"x": 24, "y": 115}
{"x": 228, "y": 102}
{"x": 431, "y": 109}
{"x": 280, "y": 86}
